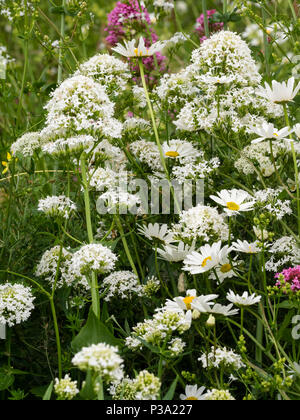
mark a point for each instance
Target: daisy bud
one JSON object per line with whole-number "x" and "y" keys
{"x": 196, "y": 314}
{"x": 181, "y": 283}
{"x": 211, "y": 322}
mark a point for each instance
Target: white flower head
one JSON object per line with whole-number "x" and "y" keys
{"x": 130, "y": 49}
{"x": 156, "y": 231}
{"x": 206, "y": 259}
{"x": 176, "y": 253}
{"x": 192, "y": 392}
{"x": 65, "y": 388}
{"x": 101, "y": 358}
{"x": 280, "y": 93}
{"x": 244, "y": 300}
{"x": 234, "y": 201}
{"x": 178, "y": 149}
{"x": 246, "y": 247}
{"x": 60, "y": 206}
{"x": 269, "y": 132}
{"x": 297, "y": 130}
{"x": 16, "y": 304}
{"x": 221, "y": 310}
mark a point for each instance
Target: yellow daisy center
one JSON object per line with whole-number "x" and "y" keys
{"x": 233, "y": 206}
{"x": 276, "y": 134}
{"x": 188, "y": 302}
{"x": 172, "y": 154}
{"x": 204, "y": 264}
{"x": 192, "y": 399}
{"x": 226, "y": 268}
{"x": 137, "y": 52}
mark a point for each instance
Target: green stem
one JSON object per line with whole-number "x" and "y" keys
{"x": 56, "y": 329}
{"x": 293, "y": 10}
{"x": 125, "y": 244}
{"x": 62, "y": 34}
{"x": 206, "y": 24}
{"x": 266, "y": 44}
{"x": 162, "y": 157}
{"x": 95, "y": 286}
{"x": 225, "y": 10}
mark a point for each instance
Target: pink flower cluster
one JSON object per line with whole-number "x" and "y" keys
{"x": 130, "y": 20}
{"x": 289, "y": 276}
{"x": 213, "y": 26}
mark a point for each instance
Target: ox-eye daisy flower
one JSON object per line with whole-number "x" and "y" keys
{"x": 244, "y": 300}
{"x": 223, "y": 271}
{"x": 297, "y": 130}
{"x": 176, "y": 253}
{"x": 183, "y": 304}
{"x": 157, "y": 231}
{"x": 206, "y": 259}
{"x": 130, "y": 49}
{"x": 178, "y": 149}
{"x": 280, "y": 93}
{"x": 193, "y": 393}
{"x": 268, "y": 131}
{"x": 221, "y": 310}
{"x": 234, "y": 201}
{"x": 245, "y": 247}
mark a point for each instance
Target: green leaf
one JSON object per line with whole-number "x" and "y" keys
{"x": 48, "y": 393}
{"x": 6, "y": 379}
{"x": 170, "y": 394}
{"x": 93, "y": 332}
{"x": 87, "y": 393}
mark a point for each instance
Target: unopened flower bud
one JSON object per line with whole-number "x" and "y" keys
{"x": 211, "y": 322}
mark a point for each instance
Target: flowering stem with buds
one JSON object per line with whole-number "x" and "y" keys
{"x": 95, "y": 287}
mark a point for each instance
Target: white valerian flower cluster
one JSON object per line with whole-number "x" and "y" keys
{"x": 80, "y": 105}
{"x": 201, "y": 223}
{"x": 107, "y": 70}
{"x": 135, "y": 128}
{"x": 57, "y": 206}
{"x": 219, "y": 395}
{"x": 122, "y": 285}
{"x": 106, "y": 178}
{"x": 65, "y": 388}
{"x": 113, "y": 155}
{"x": 89, "y": 258}
{"x": 259, "y": 154}
{"x": 71, "y": 145}
{"x": 159, "y": 329}
{"x": 222, "y": 358}
{"x": 164, "y": 4}
{"x": 16, "y": 304}
{"x": 176, "y": 347}
{"x": 102, "y": 359}
{"x": 147, "y": 152}
{"x": 145, "y": 387}
{"x": 47, "y": 267}
{"x": 284, "y": 251}
{"x": 269, "y": 200}
{"x": 27, "y": 144}
{"x": 219, "y": 88}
